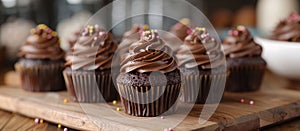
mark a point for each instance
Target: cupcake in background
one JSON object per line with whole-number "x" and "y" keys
{"x": 149, "y": 83}
{"x": 129, "y": 37}
{"x": 41, "y": 58}
{"x": 177, "y": 34}
{"x": 244, "y": 61}
{"x": 88, "y": 73}
{"x": 288, "y": 29}
{"x": 202, "y": 64}
{"x": 12, "y": 36}
{"x": 69, "y": 29}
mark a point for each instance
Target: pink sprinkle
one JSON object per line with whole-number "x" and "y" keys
{"x": 235, "y": 33}
{"x": 189, "y": 31}
{"x": 251, "y": 102}
{"x": 95, "y": 38}
{"x": 204, "y": 36}
{"x": 83, "y": 33}
{"x": 65, "y": 129}
{"x": 49, "y": 30}
{"x": 157, "y": 37}
{"x": 242, "y": 100}
{"x": 170, "y": 129}
{"x": 162, "y": 117}
{"x": 36, "y": 120}
{"x": 293, "y": 16}
{"x": 49, "y": 36}
{"x": 101, "y": 33}
{"x": 96, "y": 26}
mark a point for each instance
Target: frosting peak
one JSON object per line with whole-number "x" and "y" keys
{"x": 93, "y": 50}
{"x": 148, "y": 54}
{"x": 200, "y": 50}
{"x": 43, "y": 43}
{"x": 288, "y": 29}
{"x": 240, "y": 43}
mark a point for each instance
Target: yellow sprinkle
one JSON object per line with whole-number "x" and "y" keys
{"x": 240, "y": 27}
{"x": 185, "y": 21}
{"x": 44, "y": 35}
{"x": 118, "y": 109}
{"x": 42, "y": 26}
{"x": 59, "y": 126}
{"x": 146, "y": 27}
{"x": 53, "y": 33}
{"x": 36, "y": 36}
{"x": 66, "y": 100}
{"x": 114, "y": 102}
{"x": 200, "y": 29}
{"x": 41, "y": 121}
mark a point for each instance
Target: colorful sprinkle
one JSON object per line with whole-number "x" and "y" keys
{"x": 95, "y": 38}
{"x": 146, "y": 27}
{"x": 59, "y": 126}
{"x": 115, "y": 102}
{"x": 96, "y": 26}
{"x": 101, "y": 33}
{"x": 44, "y": 35}
{"x": 235, "y": 33}
{"x": 294, "y": 16}
{"x": 41, "y": 121}
{"x": 200, "y": 29}
{"x": 66, "y": 100}
{"x": 54, "y": 33}
{"x": 118, "y": 109}
{"x": 241, "y": 28}
{"x": 65, "y": 129}
{"x": 36, "y": 120}
{"x": 49, "y": 36}
{"x": 185, "y": 21}
{"x": 251, "y": 102}
{"x": 189, "y": 31}
{"x": 242, "y": 100}
{"x": 42, "y": 26}
{"x": 162, "y": 117}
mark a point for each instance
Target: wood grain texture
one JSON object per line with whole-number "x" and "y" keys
{"x": 273, "y": 104}
{"x": 16, "y": 122}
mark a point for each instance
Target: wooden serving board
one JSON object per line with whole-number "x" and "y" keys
{"x": 274, "y": 103}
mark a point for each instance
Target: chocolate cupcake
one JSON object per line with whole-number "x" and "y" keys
{"x": 201, "y": 62}
{"x": 244, "y": 61}
{"x": 129, "y": 37}
{"x": 288, "y": 29}
{"x": 88, "y": 73}
{"x": 41, "y": 58}
{"x": 177, "y": 34}
{"x": 149, "y": 82}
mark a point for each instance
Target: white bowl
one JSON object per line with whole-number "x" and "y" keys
{"x": 283, "y": 58}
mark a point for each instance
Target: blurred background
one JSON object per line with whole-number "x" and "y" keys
{"x": 17, "y": 17}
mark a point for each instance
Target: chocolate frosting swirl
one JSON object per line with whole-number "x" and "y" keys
{"x": 288, "y": 29}
{"x": 200, "y": 50}
{"x": 43, "y": 43}
{"x": 149, "y": 54}
{"x": 93, "y": 50}
{"x": 240, "y": 43}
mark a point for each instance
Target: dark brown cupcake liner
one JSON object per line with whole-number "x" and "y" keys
{"x": 149, "y": 104}
{"x": 90, "y": 86}
{"x": 196, "y": 88}
{"x": 245, "y": 78}
{"x": 42, "y": 78}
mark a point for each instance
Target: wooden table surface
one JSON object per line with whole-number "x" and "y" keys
{"x": 11, "y": 121}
